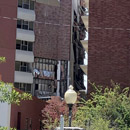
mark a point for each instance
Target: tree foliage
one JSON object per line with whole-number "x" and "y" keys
{"x": 10, "y": 95}
{"x": 52, "y": 111}
{"x": 108, "y": 109}
{"x": 6, "y": 128}
{"x": 2, "y": 59}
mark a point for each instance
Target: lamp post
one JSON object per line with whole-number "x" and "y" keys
{"x": 70, "y": 99}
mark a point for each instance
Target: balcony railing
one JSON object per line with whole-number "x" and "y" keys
{"x": 23, "y": 77}
{"x": 24, "y": 56}
{"x": 25, "y": 35}
{"x": 28, "y": 15}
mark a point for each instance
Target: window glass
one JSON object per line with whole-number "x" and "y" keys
{"x": 18, "y": 44}
{"x": 22, "y": 87}
{"x": 24, "y": 46}
{"x": 31, "y": 5}
{"x": 23, "y": 67}
{"x": 30, "y": 25}
{"x": 20, "y": 3}
{"x": 28, "y": 67}
{"x": 19, "y": 23}
{"x": 26, "y": 4}
{"x": 25, "y": 25}
{"x": 30, "y": 46}
{"x": 16, "y": 85}
{"x": 17, "y": 66}
{"x": 28, "y": 88}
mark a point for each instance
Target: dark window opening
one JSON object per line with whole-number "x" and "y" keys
{"x": 26, "y": 4}
{"x": 30, "y": 25}
{"x": 18, "y": 120}
{"x": 24, "y": 45}
{"x": 24, "y": 87}
{"x": 19, "y": 23}
{"x": 27, "y": 25}
{"x": 31, "y": 5}
{"x": 22, "y": 66}
{"x": 36, "y": 86}
{"x": 20, "y": 3}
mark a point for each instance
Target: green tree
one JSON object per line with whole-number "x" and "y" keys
{"x": 2, "y": 59}
{"x": 10, "y": 95}
{"x": 108, "y": 109}
{"x": 52, "y": 111}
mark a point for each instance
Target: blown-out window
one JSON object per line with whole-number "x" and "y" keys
{"x": 45, "y": 68}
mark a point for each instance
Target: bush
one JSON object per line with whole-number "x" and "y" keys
{"x": 108, "y": 109}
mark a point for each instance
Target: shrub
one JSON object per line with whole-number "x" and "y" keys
{"x": 108, "y": 109}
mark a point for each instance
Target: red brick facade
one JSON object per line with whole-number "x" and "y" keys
{"x": 8, "y": 38}
{"x": 30, "y": 110}
{"x": 109, "y": 42}
{"x": 53, "y": 33}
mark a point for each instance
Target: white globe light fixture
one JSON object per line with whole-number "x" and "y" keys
{"x": 70, "y": 99}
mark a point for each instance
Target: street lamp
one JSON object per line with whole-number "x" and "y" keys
{"x": 70, "y": 99}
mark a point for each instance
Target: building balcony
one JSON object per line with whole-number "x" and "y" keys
{"x": 85, "y": 44}
{"x": 49, "y": 2}
{"x": 24, "y": 56}
{"x": 25, "y": 35}
{"x": 84, "y": 68}
{"x": 26, "y": 14}
{"x": 23, "y": 77}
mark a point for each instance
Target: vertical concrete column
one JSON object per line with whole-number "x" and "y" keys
{"x": 5, "y": 110}
{"x": 58, "y": 78}
{"x": 68, "y": 75}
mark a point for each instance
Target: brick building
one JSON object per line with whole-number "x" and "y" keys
{"x": 41, "y": 42}
{"x": 108, "y": 55}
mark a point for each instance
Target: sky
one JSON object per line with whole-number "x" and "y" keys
{"x": 86, "y": 63}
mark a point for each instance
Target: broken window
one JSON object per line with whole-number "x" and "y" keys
{"x": 45, "y": 88}
{"x": 45, "y": 68}
{"x": 45, "y": 75}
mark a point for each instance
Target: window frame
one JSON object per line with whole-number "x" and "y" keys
{"x": 21, "y": 24}
{"x": 20, "y": 44}
{"x": 30, "y": 4}
{"x": 23, "y": 87}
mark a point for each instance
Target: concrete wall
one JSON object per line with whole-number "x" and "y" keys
{"x": 108, "y": 45}
{"x": 5, "y": 114}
